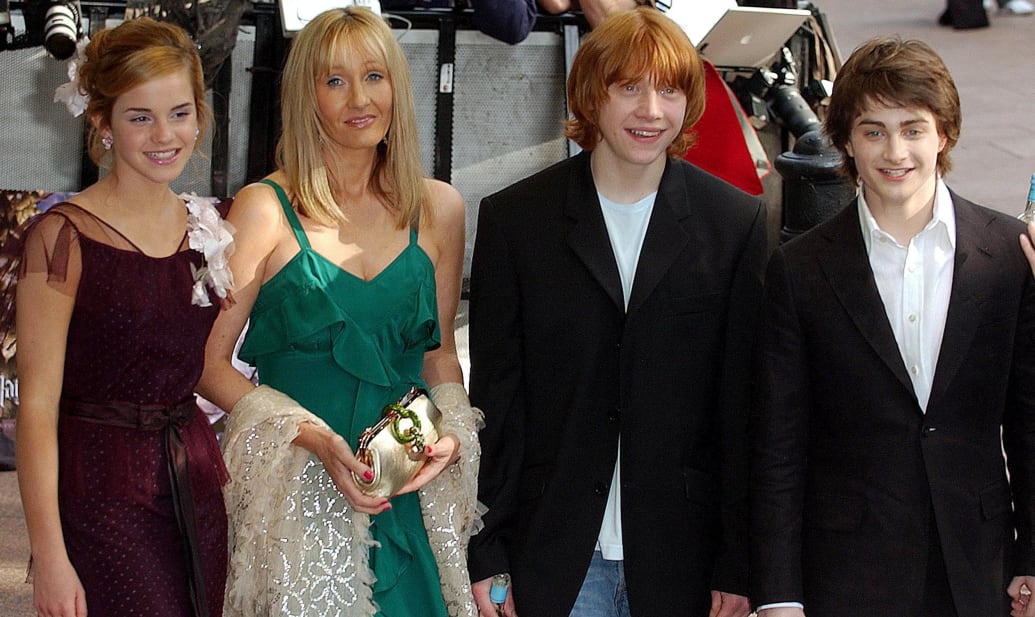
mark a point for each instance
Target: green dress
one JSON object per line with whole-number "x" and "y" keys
{"x": 344, "y": 347}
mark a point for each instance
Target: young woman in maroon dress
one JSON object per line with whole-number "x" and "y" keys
{"x": 120, "y": 473}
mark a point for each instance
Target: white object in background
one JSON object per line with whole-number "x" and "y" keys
{"x": 294, "y": 14}
{"x": 747, "y": 37}
{"x": 734, "y": 36}
{"x": 1017, "y": 7}
{"x": 695, "y": 17}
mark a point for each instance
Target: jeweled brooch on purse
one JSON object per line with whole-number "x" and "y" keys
{"x": 394, "y": 447}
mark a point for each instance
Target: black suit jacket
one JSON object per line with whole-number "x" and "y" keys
{"x": 561, "y": 370}
{"x": 849, "y": 470}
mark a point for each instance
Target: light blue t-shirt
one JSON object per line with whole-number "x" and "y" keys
{"x": 626, "y": 227}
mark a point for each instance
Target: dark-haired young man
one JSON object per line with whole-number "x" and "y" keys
{"x": 897, "y": 363}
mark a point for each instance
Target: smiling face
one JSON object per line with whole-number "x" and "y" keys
{"x": 638, "y": 121}
{"x": 153, "y": 129}
{"x": 895, "y": 150}
{"x": 355, "y": 99}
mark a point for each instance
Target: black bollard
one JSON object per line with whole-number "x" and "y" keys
{"x": 813, "y": 188}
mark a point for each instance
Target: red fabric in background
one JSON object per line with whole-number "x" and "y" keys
{"x": 720, "y": 148}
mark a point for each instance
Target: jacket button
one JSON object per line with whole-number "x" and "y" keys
{"x": 600, "y": 489}
{"x": 615, "y": 414}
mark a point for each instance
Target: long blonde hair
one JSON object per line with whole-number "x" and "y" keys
{"x": 397, "y": 177}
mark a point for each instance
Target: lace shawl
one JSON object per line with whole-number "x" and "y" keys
{"x": 449, "y": 503}
{"x": 297, "y": 548}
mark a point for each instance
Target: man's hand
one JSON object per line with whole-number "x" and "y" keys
{"x": 596, "y": 11}
{"x": 1020, "y": 591}
{"x": 729, "y": 605}
{"x": 1028, "y": 246}
{"x": 485, "y": 606}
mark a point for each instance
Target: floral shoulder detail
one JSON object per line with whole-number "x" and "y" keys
{"x": 211, "y": 236}
{"x": 69, "y": 93}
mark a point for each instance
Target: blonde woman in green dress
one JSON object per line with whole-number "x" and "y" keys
{"x": 348, "y": 269}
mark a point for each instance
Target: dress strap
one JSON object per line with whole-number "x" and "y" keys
{"x": 289, "y": 212}
{"x": 413, "y": 236}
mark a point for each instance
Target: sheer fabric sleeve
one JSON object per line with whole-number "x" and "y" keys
{"x": 50, "y": 244}
{"x": 44, "y": 243}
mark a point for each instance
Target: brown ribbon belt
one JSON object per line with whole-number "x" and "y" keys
{"x": 169, "y": 419}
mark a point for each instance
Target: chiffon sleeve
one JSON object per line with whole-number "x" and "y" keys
{"x": 50, "y": 244}
{"x": 43, "y": 243}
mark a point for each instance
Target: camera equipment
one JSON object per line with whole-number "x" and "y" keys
{"x": 773, "y": 94}
{"x": 812, "y": 186}
{"x": 62, "y": 28}
{"x": 791, "y": 108}
{"x": 6, "y": 29}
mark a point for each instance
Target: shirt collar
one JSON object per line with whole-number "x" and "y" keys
{"x": 943, "y": 216}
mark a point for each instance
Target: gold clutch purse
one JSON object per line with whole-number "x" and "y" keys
{"x": 394, "y": 447}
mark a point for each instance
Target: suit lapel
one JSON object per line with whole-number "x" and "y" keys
{"x": 847, "y": 268}
{"x": 970, "y": 265}
{"x": 588, "y": 236}
{"x": 665, "y": 239}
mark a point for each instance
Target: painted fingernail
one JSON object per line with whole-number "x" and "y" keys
{"x": 368, "y": 475}
{"x": 428, "y": 450}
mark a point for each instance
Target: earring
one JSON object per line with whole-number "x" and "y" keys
{"x": 196, "y": 133}
{"x": 106, "y": 141}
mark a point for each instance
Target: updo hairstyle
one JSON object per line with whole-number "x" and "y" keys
{"x": 122, "y": 58}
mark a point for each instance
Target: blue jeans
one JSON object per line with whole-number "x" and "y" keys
{"x": 603, "y": 590}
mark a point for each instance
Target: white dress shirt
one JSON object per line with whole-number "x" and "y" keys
{"x": 914, "y": 282}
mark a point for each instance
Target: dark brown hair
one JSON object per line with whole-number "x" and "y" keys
{"x": 893, "y": 72}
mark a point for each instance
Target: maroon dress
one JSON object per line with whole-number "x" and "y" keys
{"x": 140, "y": 472}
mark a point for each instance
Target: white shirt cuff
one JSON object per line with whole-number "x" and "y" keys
{"x": 780, "y": 605}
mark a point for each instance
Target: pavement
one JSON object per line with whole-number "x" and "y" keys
{"x": 994, "y": 161}
{"x": 15, "y": 594}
